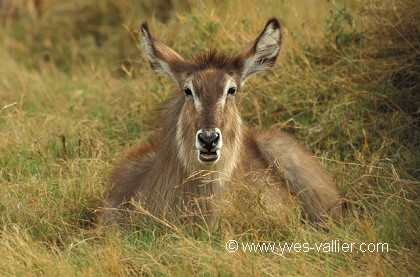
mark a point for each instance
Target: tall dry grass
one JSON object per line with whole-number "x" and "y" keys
{"x": 75, "y": 91}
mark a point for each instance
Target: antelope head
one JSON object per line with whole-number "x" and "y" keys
{"x": 208, "y": 125}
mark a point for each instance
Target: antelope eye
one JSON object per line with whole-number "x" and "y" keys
{"x": 187, "y": 91}
{"x": 232, "y": 90}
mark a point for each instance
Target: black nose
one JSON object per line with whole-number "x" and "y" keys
{"x": 208, "y": 139}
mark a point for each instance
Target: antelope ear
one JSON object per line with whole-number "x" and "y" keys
{"x": 263, "y": 51}
{"x": 162, "y": 58}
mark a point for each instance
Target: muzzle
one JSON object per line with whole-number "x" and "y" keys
{"x": 208, "y": 143}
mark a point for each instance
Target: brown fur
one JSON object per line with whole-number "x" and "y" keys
{"x": 165, "y": 176}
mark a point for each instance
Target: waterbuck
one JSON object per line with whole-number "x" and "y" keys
{"x": 201, "y": 150}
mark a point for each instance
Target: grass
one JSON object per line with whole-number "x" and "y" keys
{"x": 75, "y": 91}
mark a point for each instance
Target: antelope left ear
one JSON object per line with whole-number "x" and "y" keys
{"x": 162, "y": 58}
{"x": 263, "y": 52}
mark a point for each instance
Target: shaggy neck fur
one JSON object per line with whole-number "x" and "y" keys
{"x": 192, "y": 185}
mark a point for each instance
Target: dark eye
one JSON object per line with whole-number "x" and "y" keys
{"x": 187, "y": 91}
{"x": 232, "y": 90}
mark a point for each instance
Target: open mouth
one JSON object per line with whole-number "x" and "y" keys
{"x": 208, "y": 156}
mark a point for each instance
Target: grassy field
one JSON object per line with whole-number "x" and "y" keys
{"x": 75, "y": 90}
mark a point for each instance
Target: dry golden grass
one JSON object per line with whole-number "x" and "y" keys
{"x": 75, "y": 91}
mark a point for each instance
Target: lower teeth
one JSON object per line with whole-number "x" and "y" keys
{"x": 208, "y": 155}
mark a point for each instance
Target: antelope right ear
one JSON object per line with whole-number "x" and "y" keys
{"x": 162, "y": 58}
{"x": 263, "y": 51}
